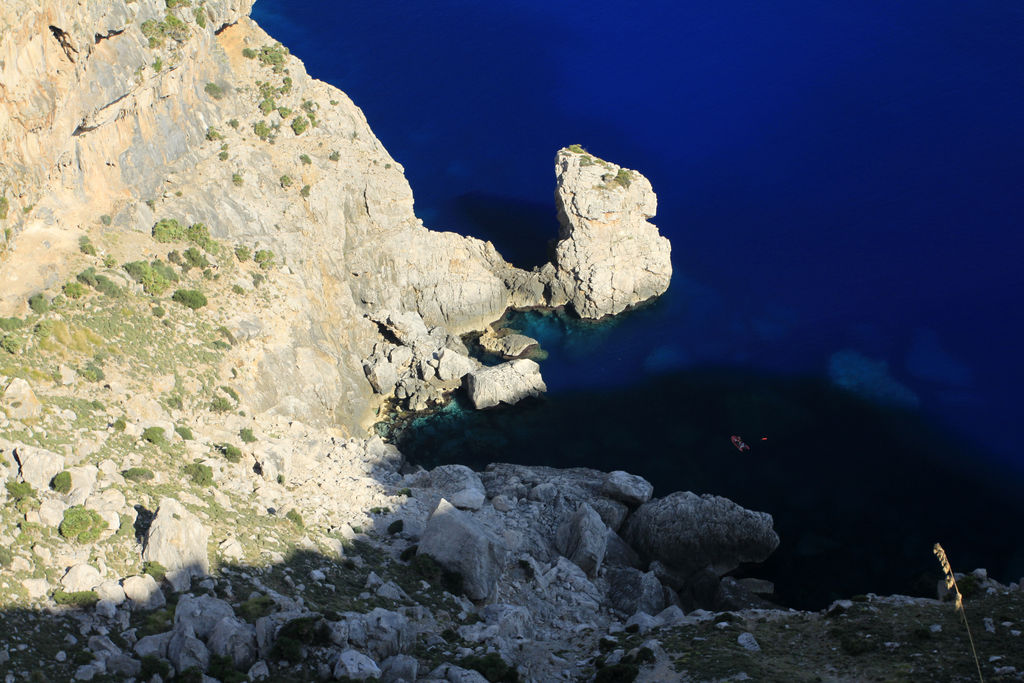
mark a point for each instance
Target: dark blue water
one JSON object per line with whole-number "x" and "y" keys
{"x": 834, "y": 177}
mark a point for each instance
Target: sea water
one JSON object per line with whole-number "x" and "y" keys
{"x": 842, "y": 186}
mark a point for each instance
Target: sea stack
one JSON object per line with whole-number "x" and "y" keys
{"x": 609, "y": 256}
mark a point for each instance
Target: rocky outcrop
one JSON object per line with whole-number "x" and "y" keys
{"x": 688, "y": 533}
{"x": 609, "y": 257}
{"x": 583, "y": 538}
{"x": 507, "y": 383}
{"x": 19, "y": 401}
{"x": 177, "y": 540}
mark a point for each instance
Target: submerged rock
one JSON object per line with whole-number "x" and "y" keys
{"x": 609, "y": 257}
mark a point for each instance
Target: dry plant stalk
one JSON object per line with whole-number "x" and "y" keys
{"x": 958, "y": 601}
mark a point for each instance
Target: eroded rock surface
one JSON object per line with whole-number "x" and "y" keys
{"x": 609, "y": 257}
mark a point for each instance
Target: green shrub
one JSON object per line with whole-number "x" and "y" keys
{"x": 231, "y": 392}
{"x": 304, "y": 191}
{"x": 10, "y": 344}
{"x": 267, "y": 105}
{"x": 265, "y": 259}
{"x": 261, "y": 129}
{"x": 184, "y": 432}
{"x": 304, "y": 158}
{"x": 246, "y": 435}
{"x": 405, "y": 492}
{"x": 214, "y": 91}
{"x": 295, "y": 518}
{"x": 82, "y": 599}
{"x": 195, "y": 259}
{"x": 256, "y": 607}
{"x": 156, "y": 570}
{"x": 284, "y": 112}
{"x": 38, "y": 303}
{"x": 212, "y": 134}
{"x": 106, "y": 286}
{"x": 6, "y": 557}
{"x": 200, "y": 474}
{"x": 11, "y": 324}
{"x": 334, "y": 156}
{"x": 396, "y": 526}
{"x": 92, "y": 373}
{"x": 61, "y": 482}
{"x": 286, "y": 181}
{"x": 168, "y": 230}
{"x": 87, "y": 277}
{"x": 577, "y": 149}
{"x": 20, "y": 490}
{"x": 431, "y": 572}
{"x": 82, "y": 525}
{"x": 158, "y": 64}
{"x": 200, "y": 15}
{"x": 233, "y": 123}
{"x": 230, "y": 453}
{"x": 492, "y": 666}
{"x": 154, "y": 435}
{"x": 153, "y": 281}
{"x": 280, "y": 479}
{"x": 119, "y": 425}
{"x": 273, "y": 56}
{"x": 257, "y": 279}
{"x": 220, "y": 404}
{"x": 249, "y": 53}
{"x": 158, "y": 312}
{"x": 300, "y": 124}
{"x": 137, "y": 474}
{"x": 238, "y": 289}
{"x": 4, "y": 208}
{"x": 74, "y": 290}
{"x": 237, "y": 179}
{"x": 624, "y": 177}
{"x": 223, "y": 156}
{"x": 191, "y": 298}
{"x": 85, "y": 246}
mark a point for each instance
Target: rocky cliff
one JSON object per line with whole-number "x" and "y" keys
{"x": 187, "y": 493}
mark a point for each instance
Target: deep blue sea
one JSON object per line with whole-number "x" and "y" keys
{"x": 843, "y": 186}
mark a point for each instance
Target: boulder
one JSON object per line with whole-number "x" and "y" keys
{"x": 143, "y": 592}
{"x": 460, "y": 544}
{"x": 388, "y": 632}
{"x": 628, "y": 488}
{"x": 609, "y": 257}
{"x": 177, "y": 540}
{"x": 688, "y": 533}
{"x": 201, "y": 613}
{"x": 232, "y": 637}
{"x": 355, "y": 666}
{"x": 508, "y": 346}
{"x": 153, "y": 646}
{"x": 51, "y": 512}
{"x": 583, "y": 538}
{"x": 507, "y": 383}
{"x": 185, "y": 651}
{"x": 81, "y": 577}
{"x": 454, "y": 365}
{"x": 381, "y": 374}
{"x": 399, "y": 668}
{"x": 631, "y": 591}
{"x": 19, "y": 401}
{"x": 37, "y": 466}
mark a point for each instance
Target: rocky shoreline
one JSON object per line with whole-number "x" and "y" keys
{"x": 211, "y": 280}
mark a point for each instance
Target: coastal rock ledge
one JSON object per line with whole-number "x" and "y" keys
{"x": 609, "y": 256}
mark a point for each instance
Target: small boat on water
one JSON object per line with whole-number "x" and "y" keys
{"x": 738, "y": 442}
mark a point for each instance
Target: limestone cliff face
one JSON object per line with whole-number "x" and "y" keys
{"x": 134, "y": 112}
{"x": 609, "y": 256}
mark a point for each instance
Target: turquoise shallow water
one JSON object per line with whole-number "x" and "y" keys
{"x": 836, "y": 178}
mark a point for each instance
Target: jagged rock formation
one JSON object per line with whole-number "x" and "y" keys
{"x": 609, "y": 257}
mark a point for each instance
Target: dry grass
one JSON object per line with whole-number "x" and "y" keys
{"x": 958, "y": 600}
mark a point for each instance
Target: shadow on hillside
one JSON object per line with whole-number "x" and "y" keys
{"x": 329, "y": 586}
{"x": 859, "y": 492}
